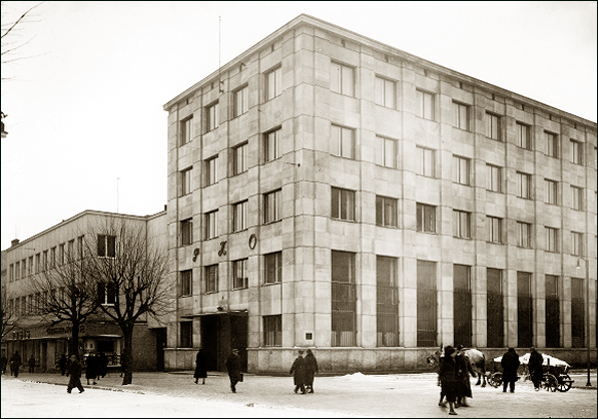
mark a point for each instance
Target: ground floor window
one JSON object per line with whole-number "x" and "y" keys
{"x": 343, "y": 299}
{"x": 495, "y": 309}
{"x": 186, "y": 338}
{"x": 387, "y": 302}
{"x": 427, "y": 299}
{"x": 273, "y": 330}
{"x": 577, "y": 313}
{"x": 524, "y": 309}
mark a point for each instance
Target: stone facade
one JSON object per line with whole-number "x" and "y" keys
{"x": 331, "y": 80}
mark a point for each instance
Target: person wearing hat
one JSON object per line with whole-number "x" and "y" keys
{"x": 74, "y": 374}
{"x": 311, "y": 369}
{"x": 298, "y": 372}
{"x": 464, "y": 387}
{"x": 233, "y": 366}
{"x": 510, "y": 363}
{"x": 449, "y": 377}
{"x": 536, "y": 360}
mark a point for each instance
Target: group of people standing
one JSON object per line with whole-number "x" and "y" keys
{"x": 510, "y": 364}
{"x": 454, "y": 373}
{"x": 303, "y": 371}
{"x": 15, "y": 364}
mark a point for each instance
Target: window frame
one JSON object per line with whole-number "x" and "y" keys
{"x": 212, "y": 115}
{"x": 551, "y": 192}
{"x": 425, "y": 104}
{"x": 273, "y": 268}
{"x": 524, "y": 235}
{"x": 386, "y": 207}
{"x": 426, "y": 218}
{"x": 344, "y": 82}
{"x": 239, "y": 267}
{"x": 273, "y": 206}
{"x": 343, "y": 204}
{"x": 185, "y": 177}
{"x": 186, "y": 278}
{"x": 426, "y": 162}
{"x": 382, "y": 95}
{"x": 494, "y": 178}
{"x": 552, "y": 239}
{"x": 494, "y": 229}
{"x": 524, "y": 189}
{"x": 240, "y": 158}
{"x": 338, "y": 135}
{"x": 186, "y": 232}
{"x": 240, "y": 100}
{"x": 186, "y": 130}
{"x": 461, "y": 116}
{"x": 552, "y": 144}
{"x": 211, "y": 279}
{"x": 493, "y": 129}
{"x": 458, "y": 176}
{"x": 273, "y": 83}
{"x": 211, "y": 170}
{"x": 524, "y": 139}
{"x": 386, "y": 149}
{"x": 211, "y": 224}
{"x": 271, "y": 140}
{"x": 240, "y": 216}
{"x": 461, "y": 224}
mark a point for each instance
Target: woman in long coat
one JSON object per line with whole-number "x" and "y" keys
{"x": 449, "y": 378}
{"x": 510, "y": 363}
{"x": 201, "y": 370}
{"x": 311, "y": 368}
{"x": 298, "y": 372}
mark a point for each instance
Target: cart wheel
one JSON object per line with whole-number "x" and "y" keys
{"x": 495, "y": 379}
{"x": 550, "y": 382}
{"x": 564, "y": 383}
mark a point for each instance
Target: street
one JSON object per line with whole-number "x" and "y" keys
{"x": 155, "y": 394}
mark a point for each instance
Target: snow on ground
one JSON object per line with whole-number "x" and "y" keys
{"x": 30, "y": 399}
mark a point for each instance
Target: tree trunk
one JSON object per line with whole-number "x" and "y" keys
{"x": 74, "y": 347}
{"x": 126, "y": 358}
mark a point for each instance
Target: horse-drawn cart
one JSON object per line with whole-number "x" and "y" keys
{"x": 555, "y": 375}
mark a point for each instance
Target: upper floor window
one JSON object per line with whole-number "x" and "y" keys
{"x": 186, "y": 283}
{"x": 425, "y": 104}
{"x": 524, "y": 185}
{"x": 342, "y": 79}
{"x": 576, "y": 198}
{"x": 106, "y": 245}
{"x": 385, "y": 92}
{"x": 426, "y": 218}
{"x": 240, "y": 274}
{"x": 240, "y": 101}
{"x": 461, "y": 224}
{"x": 494, "y": 229}
{"x": 272, "y": 206}
{"x": 185, "y": 185}
{"x": 552, "y": 144}
{"x": 524, "y": 235}
{"x": 523, "y": 136}
{"x": 576, "y": 243}
{"x": 343, "y": 141}
{"x": 273, "y": 83}
{"x": 461, "y": 170}
{"x": 212, "y": 116}
{"x": 240, "y": 158}
{"x": 211, "y": 224}
{"x": 576, "y": 154}
{"x": 187, "y": 232}
{"x": 186, "y": 132}
{"x": 551, "y": 194}
{"x": 493, "y": 178}
{"x": 106, "y": 293}
{"x": 273, "y": 268}
{"x": 211, "y": 278}
{"x": 426, "y": 162}
{"x": 461, "y": 116}
{"x": 493, "y": 126}
{"x": 343, "y": 204}
{"x": 240, "y": 216}
{"x": 552, "y": 239}
{"x": 211, "y": 170}
{"x": 272, "y": 145}
{"x": 386, "y": 152}
{"x": 386, "y": 211}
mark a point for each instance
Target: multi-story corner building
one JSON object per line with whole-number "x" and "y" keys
{"x": 28, "y": 260}
{"x": 326, "y": 190}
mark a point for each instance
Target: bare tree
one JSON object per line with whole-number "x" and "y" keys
{"x": 65, "y": 293}
{"x": 9, "y": 315}
{"x": 134, "y": 268}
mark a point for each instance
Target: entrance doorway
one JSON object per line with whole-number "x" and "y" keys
{"x": 220, "y": 333}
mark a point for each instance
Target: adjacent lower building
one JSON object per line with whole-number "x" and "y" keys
{"x": 42, "y": 336}
{"x": 326, "y": 190}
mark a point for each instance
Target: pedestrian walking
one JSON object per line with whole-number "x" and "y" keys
{"x": 536, "y": 372}
{"x": 510, "y": 363}
{"x": 464, "y": 387}
{"x": 449, "y": 378}
{"x": 298, "y": 372}
{"x": 201, "y": 367}
{"x": 4, "y": 363}
{"x": 74, "y": 374}
{"x": 233, "y": 366}
{"x": 15, "y": 364}
{"x": 311, "y": 369}
{"x": 91, "y": 370}
{"x": 62, "y": 364}
{"x": 31, "y": 364}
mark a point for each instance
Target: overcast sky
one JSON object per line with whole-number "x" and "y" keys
{"x": 84, "y": 98}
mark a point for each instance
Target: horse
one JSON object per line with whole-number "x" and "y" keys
{"x": 475, "y": 358}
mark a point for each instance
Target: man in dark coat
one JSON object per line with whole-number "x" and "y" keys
{"x": 4, "y": 363}
{"x": 62, "y": 364}
{"x": 91, "y": 370}
{"x": 535, "y": 367}
{"x": 298, "y": 371}
{"x": 102, "y": 365}
{"x": 31, "y": 363}
{"x": 510, "y": 363}
{"x": 233, "y": 366}
{"x": 201, "y": 368}
{"x": 74, "y": 373}
{"x": 449, "y": 378}
{"x": 15, "y": 363}
{"x": 311, "y": 368}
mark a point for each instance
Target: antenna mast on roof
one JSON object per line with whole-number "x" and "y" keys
{"x": 220, "y": 89}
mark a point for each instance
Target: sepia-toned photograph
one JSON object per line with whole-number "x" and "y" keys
{"x": 297, "y": 209}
